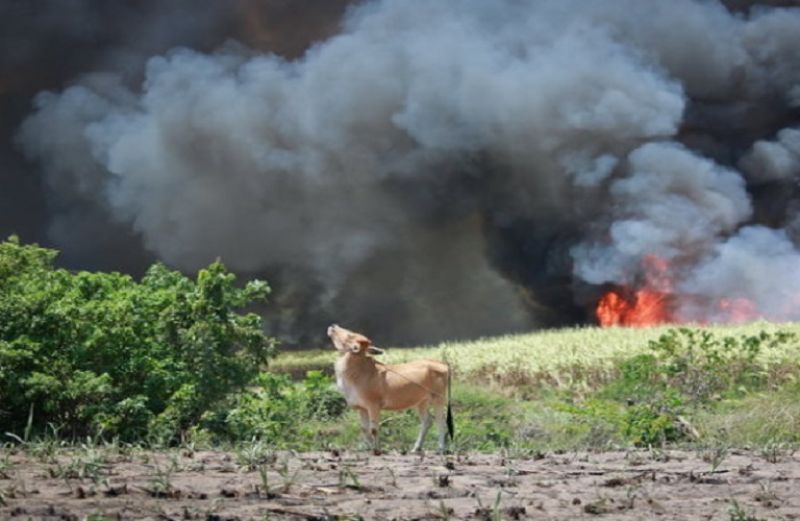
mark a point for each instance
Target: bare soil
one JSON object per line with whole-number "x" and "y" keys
{"x": 216, "y": 486}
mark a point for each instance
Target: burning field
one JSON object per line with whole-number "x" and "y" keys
{"x": 424, "y": 171}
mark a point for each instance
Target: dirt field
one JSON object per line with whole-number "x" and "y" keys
{"x": 331, "y": 485}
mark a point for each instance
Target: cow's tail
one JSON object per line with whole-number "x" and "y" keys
{"x": 451, "y": 431}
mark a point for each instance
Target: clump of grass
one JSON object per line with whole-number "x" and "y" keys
{"x": 6, "y": 465}
{"x": 348, "y": 478}
{"x": 758, "y": 420}
{"x": 160, "y": 484}
{"x": 253, "y": 455}
{"x": 738, "y": 513}
{"x": 288, "y": 476}
{"x": 264, "y": 490}
{"x": 87, "y": 461}
{"x": 715, "y": 456}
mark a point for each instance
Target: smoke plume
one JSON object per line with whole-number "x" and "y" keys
{"x": 453, "y": 168}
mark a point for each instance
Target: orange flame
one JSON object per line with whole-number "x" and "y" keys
{"x": 643, "y": 308}
{"x": 655, "y": 300}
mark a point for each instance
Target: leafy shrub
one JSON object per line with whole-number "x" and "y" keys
{"x": 701, "y": 365}
{"x": 321, "y": 398}
{"x": 654, "y": 421}
{"x": 94, "y": 352}
{"x": 639, "y": 378}
{"x": 276, "y": 409}
{"x": 686, "y": 369}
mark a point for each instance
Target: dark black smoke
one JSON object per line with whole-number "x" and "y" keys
{"x": 421, "y": 170}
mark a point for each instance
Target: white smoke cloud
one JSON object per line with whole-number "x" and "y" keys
{"x": 774, "y": 160}
{"x": 671, "y": 203}
{"x": 758, "y": 264}
{"x": 420, "y": 117}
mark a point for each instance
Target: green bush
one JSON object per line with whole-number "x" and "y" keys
{"x": 276, "y": 410}
{"x": 687, "y": 369}
{"x": 653, "y": 422}
{"x": 639, "y": 378}
{"x": 100, "y": 352}
{"x": 703, "y": 366}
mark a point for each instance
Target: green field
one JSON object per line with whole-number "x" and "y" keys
{"x": 600, "y": 388}
{"x": 562, "y": 357}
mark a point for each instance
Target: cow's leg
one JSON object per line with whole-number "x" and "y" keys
{"x": 365, "y": 425}
{"x": 424, "y": 424}
{"x": 441, "y": 424}
{"x": 374, "y": 423}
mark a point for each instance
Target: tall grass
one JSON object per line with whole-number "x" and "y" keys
{"x": 591, "y": 387}
{"x": 561, "y": 358}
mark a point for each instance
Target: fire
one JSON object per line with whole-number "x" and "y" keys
{"x": 642, "y": 308}
{"x": 646, "y": 306}
{"x": 737, "y": 310}
{"x": 655, "y": 301}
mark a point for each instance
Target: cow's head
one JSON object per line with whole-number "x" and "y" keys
{"x": 346, "y": 341}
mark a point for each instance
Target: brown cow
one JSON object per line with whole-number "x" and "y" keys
{"x": 369, "y": 386}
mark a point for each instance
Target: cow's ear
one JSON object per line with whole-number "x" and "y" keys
{"x": 361, "y": 344}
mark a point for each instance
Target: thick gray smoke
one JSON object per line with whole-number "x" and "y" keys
{"x": 777, "y": 160}
{"x": 458, "y": 167}
{"x": 49, "y": 44}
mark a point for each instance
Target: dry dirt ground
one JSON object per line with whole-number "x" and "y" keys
{"x": 730, "y": 485}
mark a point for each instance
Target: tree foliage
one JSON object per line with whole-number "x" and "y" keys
{"x": 101, "y": 352}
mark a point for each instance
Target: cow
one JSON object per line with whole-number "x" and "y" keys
{"x": 370, "y": 386}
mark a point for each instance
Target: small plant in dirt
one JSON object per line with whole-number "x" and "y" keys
{"x": 348, "y": 478}
{"x": 443, "y": 511}
{"x": 392, "y": 477}
{"x": 598, "y": 506}
{"x": 160, "y": 484}
{"x": 6, "y": 465}
{"x": 715, "y": 456}
{"x": 774, "y": 451}
{"x": 85, "y": 463}
{"x": 767, "y": 495}
{"x": 96, "y": 517}
{"x": 493, "y": 513}
{"x": 254, "y": 455}
{"x": 631, "y": 493}
{"x": 288, "y": 476}
{"x": 738, "y": 513}
{"x": 264, "y": 490}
